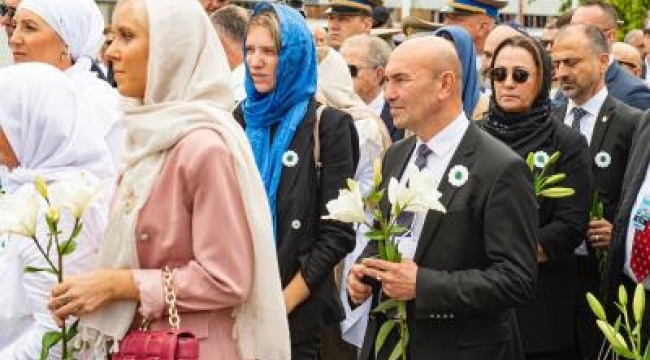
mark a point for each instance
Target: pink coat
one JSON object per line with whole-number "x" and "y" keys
{"x": 194, "y": 222}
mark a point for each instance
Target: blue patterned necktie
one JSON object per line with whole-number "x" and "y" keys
{"x": 578, "y": 113}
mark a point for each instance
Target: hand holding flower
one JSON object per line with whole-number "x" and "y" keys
{"x": 357, "y": 290}
{"x": 397, "y": 279}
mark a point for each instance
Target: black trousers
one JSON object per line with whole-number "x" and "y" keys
{"x": 589, "y": 338}
{"x": 567, "y": 354}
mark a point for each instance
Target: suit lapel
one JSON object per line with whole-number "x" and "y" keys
{"x": 462, "y": 156}
{"x": 559, "y": 113}
{"x": 600, "y": 128}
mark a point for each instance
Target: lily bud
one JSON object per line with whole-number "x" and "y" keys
{"x": 622, "y": 295}
{"x": 52, "y": 216}
{"x": 41, "y": 187}
{"x": 638, "y": 303}
{"x": 376, "y": 168}
{"x": 595, "y": 306}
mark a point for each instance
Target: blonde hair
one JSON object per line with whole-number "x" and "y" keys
{"x": 268, "y": 20}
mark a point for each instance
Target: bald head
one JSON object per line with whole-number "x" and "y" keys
{"x": 496, "y": 37}
{"x": 628, "y": 56}
{"x": 432, "y": 52}
{"x": 424, "y": 85}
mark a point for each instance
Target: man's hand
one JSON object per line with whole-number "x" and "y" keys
{"x": 397, "y": 279}
{"x": 600, "y": 233}
{"x": 541, "y": 254}
{"x": 358, "y": 291}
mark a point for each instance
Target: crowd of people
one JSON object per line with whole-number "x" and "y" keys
{"x": 223, "y": 133}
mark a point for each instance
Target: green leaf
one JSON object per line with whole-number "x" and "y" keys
{"x": 67, "y": 247}
{"x": 530, "y": 160}
{"x": 32, "y": 269}
{"x": 554, "y": 158}
{"x": 50, "y": 339}
{"x": 397, "y": 352}
{"x": 385, "y": 329}
{"x": 553, "y": 179}
{"x": 73, "y": 331}
{"x": 385, "y": 306}
{"x": 398, "y": 230}
{"x": 596, "y": 307}
{"x": 77, "y": 229}
{"x": 557, "y": 192}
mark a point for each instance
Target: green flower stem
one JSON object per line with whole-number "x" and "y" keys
{"x": 403, "y": 328}
{"x": 42, "y": 251}
{"x": 629, "y": 331}
{"x": 59, "y": 274}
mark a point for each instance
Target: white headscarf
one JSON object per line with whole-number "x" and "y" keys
{"x": 186, "y": 90}
{"x": 47, "y": 124}
{"x": 80, "y": 25}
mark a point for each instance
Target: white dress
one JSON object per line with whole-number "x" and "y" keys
{"x": 24, "y": 317}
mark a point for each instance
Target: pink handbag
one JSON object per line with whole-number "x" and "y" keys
{"x": 168, "y": 344}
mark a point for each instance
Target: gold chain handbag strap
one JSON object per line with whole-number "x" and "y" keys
{"x": 170, "y": 299}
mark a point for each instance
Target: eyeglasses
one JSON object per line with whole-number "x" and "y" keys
{"x": 6, "y": 10}
{"x": 500, "y": 74}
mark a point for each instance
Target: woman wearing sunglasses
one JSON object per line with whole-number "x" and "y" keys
{"x": 279, "y": 115}
{"x": 519, "y": 116}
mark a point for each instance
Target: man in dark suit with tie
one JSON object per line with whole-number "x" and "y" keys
{"x": 474, "y": 264}
{"x": 581, "y": 56}
{"x": 622, "y": 85}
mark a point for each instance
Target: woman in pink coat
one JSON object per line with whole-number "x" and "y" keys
{"x": 190, "y": 198}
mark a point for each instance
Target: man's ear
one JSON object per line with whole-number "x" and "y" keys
{"x": 447, "y": 84}
{"x": 380, "y": 73}
{"x": 367, "y": 24}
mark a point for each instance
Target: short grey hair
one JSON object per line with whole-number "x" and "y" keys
{"x": 597, "y": 39}
{"x": 232, "y": 21}
{"x": 377, "y": 50}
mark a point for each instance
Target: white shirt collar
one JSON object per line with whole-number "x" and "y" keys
{"x": 593, "y": 105}
{"x": 448, "y": 139}
{"x": 377, "y": 105}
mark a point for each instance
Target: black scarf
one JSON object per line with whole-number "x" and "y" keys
{"x": 527, "y": 131}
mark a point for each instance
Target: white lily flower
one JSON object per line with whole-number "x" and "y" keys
{"x": 419, "y": 195}
{"x": 19, "y": 212}
{"x": 75, "y": 194}
{"x": 348, "y": 206}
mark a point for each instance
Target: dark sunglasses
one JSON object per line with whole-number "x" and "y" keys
{"x": 500, "y": 74}
{"x": 628, "y": 64}
{"x": 6, "y": 10}
{"x": 354, "y": 70}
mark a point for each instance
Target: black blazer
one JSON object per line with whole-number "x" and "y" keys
{"x": 476, "y": 263}
{"x": 612, "y": 134}
{"x": 635, "y": 174}
{"x": 395, "y": 133}
{"x": 626, "y": 87}
{"x": 546, "y": 324}
{"x": 306, "y": 242}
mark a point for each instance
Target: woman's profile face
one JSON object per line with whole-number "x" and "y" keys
{"x": 261, "y": 58}
{"x": 129, "y": 51}
{"x": 516, "y": 79}
{"x": 34, "y": 40}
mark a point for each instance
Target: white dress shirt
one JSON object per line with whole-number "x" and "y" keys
{"x": 377, "y": 105}
{"x": 644, "y": 192}
{"x": 443, "y": 146}
{"x": 592, "y": 107}
{"x": 587, "y": 124}
{"x": 24, "y": 317}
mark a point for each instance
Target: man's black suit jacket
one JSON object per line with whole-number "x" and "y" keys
{"x": 635, "y": 173}
{"x": 477, "y": 262}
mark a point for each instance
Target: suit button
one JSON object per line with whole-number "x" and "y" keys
{"x": 296, "y": 224}
{"x": 451, "y": 316}
{"x": 444, "y": 316}
{"x": 144, "y": 237}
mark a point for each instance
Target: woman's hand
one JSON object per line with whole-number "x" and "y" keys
{"x": 83, "y": 294}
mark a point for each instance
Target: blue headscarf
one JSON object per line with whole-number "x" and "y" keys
{"x": 286, "y": 105}
{"x": 467, "y": 55}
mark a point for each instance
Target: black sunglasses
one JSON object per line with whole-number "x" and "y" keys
{"x": 500, "y": 74}
{"x": 354, "y": 70}
{"x": 6, "y": 10}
